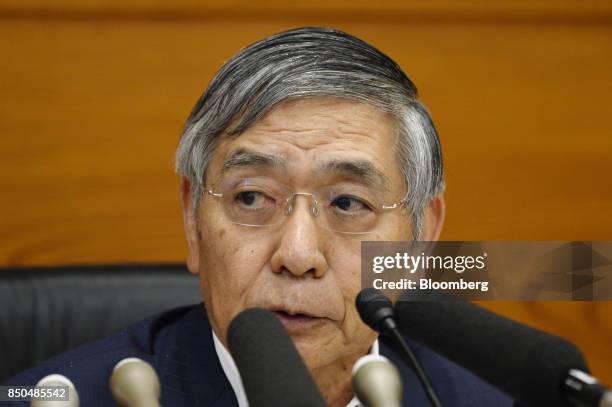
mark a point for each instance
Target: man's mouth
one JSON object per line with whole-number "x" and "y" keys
{"x": 295, "y": 321}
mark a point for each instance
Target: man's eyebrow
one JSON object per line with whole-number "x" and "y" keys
{"x": 247, "y": 158}
{"x": 363, "y": 170}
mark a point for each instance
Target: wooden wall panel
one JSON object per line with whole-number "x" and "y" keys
{"x": 93, "y": 94}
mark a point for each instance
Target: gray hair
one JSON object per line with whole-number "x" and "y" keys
{"x": 311, "y": 62}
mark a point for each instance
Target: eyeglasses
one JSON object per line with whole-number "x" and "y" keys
{"x": 263, "y": 202}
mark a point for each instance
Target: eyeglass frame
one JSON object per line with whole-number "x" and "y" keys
{"x": 314, "y": 208}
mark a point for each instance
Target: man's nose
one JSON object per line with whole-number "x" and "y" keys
{"x": 299, "y": 250}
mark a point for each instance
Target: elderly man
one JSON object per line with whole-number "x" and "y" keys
{"x": 305, "y": 144}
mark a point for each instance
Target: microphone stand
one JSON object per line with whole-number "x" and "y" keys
{"x": 412, "y": 360}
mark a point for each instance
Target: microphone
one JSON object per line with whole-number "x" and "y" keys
{"x": 134, "y": 383}
{"x": 376, "y": 382}
{"x": 376, "y": 310}
{"x": 533, "y": 367}
{"x": 270, "y": 366}
{"x": 57, "y": 380}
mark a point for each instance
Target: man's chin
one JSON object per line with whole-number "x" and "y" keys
{"x": 320, "y": 347}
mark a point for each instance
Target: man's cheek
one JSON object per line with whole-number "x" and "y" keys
{"x": 238, "y": 268}
{"x": 242, "y": 258}
{"x": 347, "y": 273}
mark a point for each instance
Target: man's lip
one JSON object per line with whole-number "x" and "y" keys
{"x": 293, "y": 313}
{"x": 296, "y": 322}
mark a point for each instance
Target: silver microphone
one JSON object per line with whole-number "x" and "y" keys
{"x": 134, "y": 383}
{"x": 57, "y": 380}
{"x": 376, "y": 382}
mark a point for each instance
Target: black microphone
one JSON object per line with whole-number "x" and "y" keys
{"x": 270, "y": 366}
{"x": 533, "y": 367}
{"x": 376, "y": 310}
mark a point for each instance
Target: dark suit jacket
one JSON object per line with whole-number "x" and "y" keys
{"x": 178, "y": 344}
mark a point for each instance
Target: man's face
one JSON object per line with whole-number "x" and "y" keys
{"x": 307, "y": 273}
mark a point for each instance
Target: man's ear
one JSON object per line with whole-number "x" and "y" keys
{"x": 433, "y": 218}
{"x": 191, "y": 229}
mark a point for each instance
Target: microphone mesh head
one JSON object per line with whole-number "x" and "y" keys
{"x": 527, "y": 364}
{"x": 377, "y": 382}
{"x": 57, "y": 380}
{"x": 373, "y": 306}
{"x": 135, "y": 381}
{"x": 270, "y": 366}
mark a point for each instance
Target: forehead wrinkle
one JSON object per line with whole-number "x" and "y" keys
{"x": 321, "y": 126}
{"x": 339, "y": 129}
{"x": 311, "y": 138}
{"x": 243, "y": 157}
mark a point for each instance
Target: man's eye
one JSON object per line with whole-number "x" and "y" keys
{"x": 349, "y": 204}
{"x": 250, "y": 198}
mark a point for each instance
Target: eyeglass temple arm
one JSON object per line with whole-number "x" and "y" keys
{"x": 217, "y": 194}
{"x": 395, "y": 205}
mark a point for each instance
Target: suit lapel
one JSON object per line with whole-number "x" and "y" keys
{"x": 190, "y": 371}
